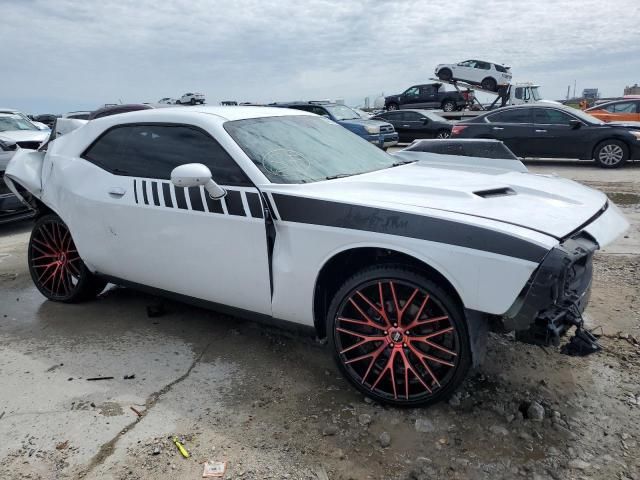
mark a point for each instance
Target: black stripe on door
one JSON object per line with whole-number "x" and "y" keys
{"x": 166, "y": 193}
{"x": 196, "y": 199}
{"x": 215, "y": 206}
{"x": 144, "y": 192}
{"x": 154, "y": 194}
{"x": 255, "y": 207}
{"x": 180, "y": 198}
{"x": 234, "y": 203}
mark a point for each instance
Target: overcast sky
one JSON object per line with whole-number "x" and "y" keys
{"x": 62, "y": 55}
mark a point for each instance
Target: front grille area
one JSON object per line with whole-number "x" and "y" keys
{"x": 29, "y": 145}
{"x": 387, "y": 129}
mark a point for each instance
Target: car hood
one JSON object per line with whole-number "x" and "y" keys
{"x": 551, "y": 205}
{"x": 25, "y": 135}
{"x": 632, "y": 125}
{"x": 362, "y": 122}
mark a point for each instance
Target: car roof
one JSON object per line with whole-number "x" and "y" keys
{"x": 230, "y": 113}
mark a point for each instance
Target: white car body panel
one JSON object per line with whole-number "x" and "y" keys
{"x": 487, "y": 248}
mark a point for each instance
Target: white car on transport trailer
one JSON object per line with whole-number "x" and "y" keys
{"x": 489, "y": 76}
{"x": 282, "y": 214}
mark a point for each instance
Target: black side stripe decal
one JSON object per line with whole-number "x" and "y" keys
{"x": 166, "y": 193}
{"x": 180, "y": 198}
{"x": 135, "y": 189}
{"x": 370, "y": 219}
{"x": 265, "y": 197}
{"x": 234, "y": 203}
{"x": 215, "y": 206}
{"x": 255, "y": 207}
{"x": 144, "y": 192}
{"x": 154, "y": 194}
{"x": 196, "y": 199}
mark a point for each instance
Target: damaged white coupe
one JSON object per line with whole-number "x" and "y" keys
{"x": 401, "y": 261}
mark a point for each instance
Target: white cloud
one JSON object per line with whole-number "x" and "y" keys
{"x": 75, "y": 53}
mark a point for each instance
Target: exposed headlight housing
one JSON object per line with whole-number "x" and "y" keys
{"x": 372, "y": 129}
{"x": 7, "y": 145}
{"x": 635, "y": 133}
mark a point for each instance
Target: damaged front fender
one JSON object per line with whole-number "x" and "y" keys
{"x": 24, "y": 173}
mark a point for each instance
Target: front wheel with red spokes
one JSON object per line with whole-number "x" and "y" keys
{"x": 55, "y": 265}
{"x": 398, "y": 336}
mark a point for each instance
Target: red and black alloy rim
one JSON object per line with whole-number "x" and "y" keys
{"x": 54, "y": 260}
{"x": 397, "y": 340}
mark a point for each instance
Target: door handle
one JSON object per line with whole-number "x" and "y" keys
{"x": 541, "y": 131}
{"x": 498, "y": 128}
{"x": 117, "y": 191}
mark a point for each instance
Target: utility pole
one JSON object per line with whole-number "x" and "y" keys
{"x": 568, "y": 91}
{"x": 574, "y": 89}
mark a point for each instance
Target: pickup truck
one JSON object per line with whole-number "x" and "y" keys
{"x": 430, "y": 95}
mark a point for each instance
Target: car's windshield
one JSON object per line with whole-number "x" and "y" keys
{"x": 340, "y": 112}
{"x": 535, "y": 94}
{"x": 15, "y": 122}
{"x": 301, "y": 149}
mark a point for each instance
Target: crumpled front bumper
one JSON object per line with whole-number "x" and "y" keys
{"x": 558, "y": 291}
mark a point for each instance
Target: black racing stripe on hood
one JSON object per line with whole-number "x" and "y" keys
{"x": 371, "y": 219}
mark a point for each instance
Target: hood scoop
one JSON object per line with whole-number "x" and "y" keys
{"x": 495, "y": 192}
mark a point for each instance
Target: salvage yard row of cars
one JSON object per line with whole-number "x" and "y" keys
{"x": 399, "y": 261}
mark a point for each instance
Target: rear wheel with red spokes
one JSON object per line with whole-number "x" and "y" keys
{"x": 399, "y": 337}
{"x": 55, "y": 265}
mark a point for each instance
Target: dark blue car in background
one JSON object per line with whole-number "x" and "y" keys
{"x": 379, "y": 133}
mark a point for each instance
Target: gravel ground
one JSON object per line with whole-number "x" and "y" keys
{"x": 272, "y": 404}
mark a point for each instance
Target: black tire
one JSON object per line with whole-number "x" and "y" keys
{"x": 387, "y": 344}
{"x": 611, "y": 154}
{"x": 392, "y": 106}
{"x": 445, "y": 74}
{"x": 55, "y": 265}
{"x": 443, "y": 134}
{"x": 193, "y": 101}
{"x": 449, "y": 106}
{"x": 178, "y": 102}
{"x": 489, "y": 84}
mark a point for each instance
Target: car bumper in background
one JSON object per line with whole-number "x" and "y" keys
{"x": 383, "y": 140}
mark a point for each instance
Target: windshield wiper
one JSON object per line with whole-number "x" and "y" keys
{"x": 403, "y": 162}
{"x": 339, "y": 175}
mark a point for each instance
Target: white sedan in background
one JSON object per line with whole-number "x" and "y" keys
{"x": 280, "y": 214}
{"x": 489, "y": 76}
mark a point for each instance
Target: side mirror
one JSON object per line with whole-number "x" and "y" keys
{"x": 575, "y": 124}
{"x": 425, "y": 121}
{"x": 195, "y": 175}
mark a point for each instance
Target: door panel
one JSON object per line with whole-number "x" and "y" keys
{"x": 130, "y": 222}
{"x": 171, "y": 238}
{"x": 553, "y": 135}
{"x": 514, "y": 127}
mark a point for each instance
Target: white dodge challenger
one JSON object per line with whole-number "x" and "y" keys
{"x": 400, "y": 262}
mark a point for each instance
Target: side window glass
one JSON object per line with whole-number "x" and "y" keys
{"x": 412, "y": 92}
{"x": 516, "y": 115}
{"x": 627, "y": 107}
{"x": 555, "y": 117}
{"x": 411, "y": 117}
{"x": 483, "y": 65}
{"x": 153, "y": 151}
{"x": 519, "y": 93}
